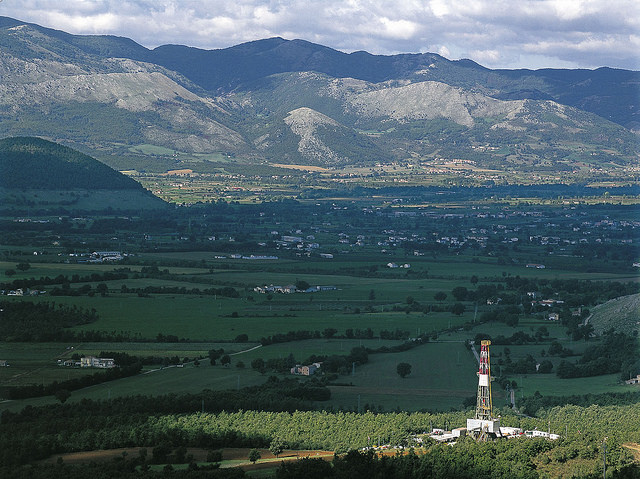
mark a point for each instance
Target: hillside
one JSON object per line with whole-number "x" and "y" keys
{"x": 425, "y": 120}
{"x": 40, "y": 164}
{"x": 295, "y": 102}
{"x": 584, "y": 89}
{"x": 622, "y": 314}
{"x": 37, "y": 172}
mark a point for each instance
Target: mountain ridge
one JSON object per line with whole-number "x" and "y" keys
{"x": 237, "y": 103}
{"x": 272, "y": 52}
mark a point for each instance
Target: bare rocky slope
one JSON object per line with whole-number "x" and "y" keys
{"x": 295, "y": 102}
{"x": 622, "y": 314}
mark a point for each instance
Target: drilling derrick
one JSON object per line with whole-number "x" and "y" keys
{"x": 484, "y": 425}
{"x": 484, "y": 404}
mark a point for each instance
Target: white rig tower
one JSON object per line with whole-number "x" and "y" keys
{"x": 484, "y": 425}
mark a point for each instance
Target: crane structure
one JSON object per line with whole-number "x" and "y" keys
{"x": 484, "y": 425}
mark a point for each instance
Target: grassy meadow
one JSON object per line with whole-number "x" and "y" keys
{"x": 368, "y": 295}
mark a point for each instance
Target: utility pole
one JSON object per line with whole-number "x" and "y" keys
{"x": 604, "y": 458}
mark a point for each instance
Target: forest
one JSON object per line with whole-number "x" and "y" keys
{"x": 39, "y": 432}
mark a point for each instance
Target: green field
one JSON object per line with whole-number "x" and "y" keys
{"x": 550, "y": 385}
{"x": 368, "y": 296}
{"x": 443, "y": 373}
{"x": 442, "y": 376}
{"x": 36, "y": 364}
{"x": 157, "y": 381}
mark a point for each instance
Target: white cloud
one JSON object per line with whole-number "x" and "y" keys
{"x": 92, "y": 23}
{"x": 444, "y": 51}
{"x": 440, "y": 8}
{"x": 495, "y": 33}
{"x": 402, "y": 29}
{"x": 486, "y": 56}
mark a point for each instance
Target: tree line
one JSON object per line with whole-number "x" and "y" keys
{"x": 38, "y": 390}
{"x": 28, "y": 321}
{"x": 38, "y": 432}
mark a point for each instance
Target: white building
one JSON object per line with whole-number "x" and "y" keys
{"x": 93, "y": 362}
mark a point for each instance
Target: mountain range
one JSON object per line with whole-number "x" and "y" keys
{"x": 277, "y": 101}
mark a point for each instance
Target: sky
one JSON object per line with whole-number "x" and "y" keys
{"x": 495, "y": 33}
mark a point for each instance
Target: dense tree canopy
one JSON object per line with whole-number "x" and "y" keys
{"x": 39, "y": 164}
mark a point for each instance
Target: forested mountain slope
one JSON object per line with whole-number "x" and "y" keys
{"x": 41, "y": 164}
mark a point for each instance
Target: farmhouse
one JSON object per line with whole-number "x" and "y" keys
{"x": 290, "y": 288}
{"x": 93, "y": 362}
{"x": 291, "y": 239}
{"x": 326, "y": 288}
{"x": 545, "y": 434}
{"x": 69, "y": 363}
{"x": 547, "y": 302}
{"x": 635, "y": 380}
{"x": 101, "y": 256}
{"x": 252, "y": 257}
{"x": 305, "y": 370}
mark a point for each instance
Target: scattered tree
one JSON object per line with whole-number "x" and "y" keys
{"x": 545, "y": 367}
{"x": 460, "y": 293}
{"x": 254, "y": 455}
{"x": 440, "y": 296}
{"x": 62, "y": 395}
{"x": 302, "y": 285}
{"x": 214, "y": 355}
{"x": 180, "y": 455}
{"x": 329, "y": 333}
{"x": 403, "y": 369}
{"x": 214, "y": 456}
{"x": 277, "y": 446}
{"x": 257, "y": 364}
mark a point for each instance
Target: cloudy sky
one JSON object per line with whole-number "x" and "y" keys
{"x": 495, "y": 33}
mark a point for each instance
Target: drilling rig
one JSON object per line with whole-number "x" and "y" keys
{"x": 484, "y": 426}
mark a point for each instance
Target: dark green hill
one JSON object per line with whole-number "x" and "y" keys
{"x": 34, "y": 163}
